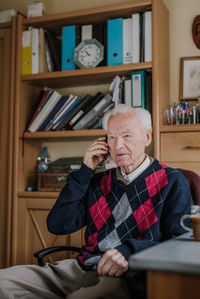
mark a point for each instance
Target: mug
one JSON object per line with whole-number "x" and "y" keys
{"x": 195, "y": 217}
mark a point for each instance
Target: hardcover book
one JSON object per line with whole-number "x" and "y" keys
{"x": 43, "y": 68}
{"x": 82, "y": 112}
{"x": 49, "y": 105}
{"x": 59, "y": 113}
{"x": 43, "y": 99}
{"x": 53, "y": 113}
{"x": 79, "y": 109}
{"x": 74, "y": 102}
{"x": 97, "y": 109}
{"x": 54, "y": 45}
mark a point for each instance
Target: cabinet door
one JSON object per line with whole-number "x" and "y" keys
{"x": 33, "y": 234}
{"x": 6, "y": 108}
{"x": 181, "y": 150}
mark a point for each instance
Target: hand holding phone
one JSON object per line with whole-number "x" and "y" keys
{"x": 104, "y": 156}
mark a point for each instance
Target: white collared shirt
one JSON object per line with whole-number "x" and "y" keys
{"x": 135, "y": 173}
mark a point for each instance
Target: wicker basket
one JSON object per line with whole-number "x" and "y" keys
{"x": 51, "y": 181}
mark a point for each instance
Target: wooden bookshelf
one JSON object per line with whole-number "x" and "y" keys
{"x": 31, "y": 208}
{"x": 93, "y": 15}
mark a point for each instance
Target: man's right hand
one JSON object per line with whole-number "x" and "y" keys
{"x": 92, "y": 156}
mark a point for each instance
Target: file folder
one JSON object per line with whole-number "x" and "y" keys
{"x": 26, "y": 52}
{"x": 138, "y": 89}
{"x": 115, "y": 41}
{"x": 68, "y": 46}
{"x": 99, "y": 31}
{"x": 147, "y": 36}
{"x": 127, "y": 41}
{"x": 35, "y": 51}
{"x": 136, "y": 37}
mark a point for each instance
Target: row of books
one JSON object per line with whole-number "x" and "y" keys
{"x": 41, "y": 51}
{"x": 125, "y": 41}
{"x": 130, "y": 39}
{"x": 55, "y": 111}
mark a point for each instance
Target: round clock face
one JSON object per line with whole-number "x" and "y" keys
{"x": 89, "y": 53}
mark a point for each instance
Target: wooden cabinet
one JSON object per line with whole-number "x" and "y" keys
{"x": 181, "y": 149}
{"x": 7, "y": 68}
{"x": 27, "y": 145}
{"x": 32, "y": 231}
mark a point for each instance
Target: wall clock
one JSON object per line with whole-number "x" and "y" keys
{"x": 196, "y": 31}
{"x": 89, "y": 53}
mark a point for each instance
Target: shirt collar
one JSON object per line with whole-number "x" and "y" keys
{"x": 134, "y": 174}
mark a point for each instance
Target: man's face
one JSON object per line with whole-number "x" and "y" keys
{"x": 127, "y": 140}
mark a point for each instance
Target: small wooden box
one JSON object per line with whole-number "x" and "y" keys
{"x": 51, "y": 181}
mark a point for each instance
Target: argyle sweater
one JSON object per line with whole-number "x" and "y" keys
{"x": 129, "y": 218}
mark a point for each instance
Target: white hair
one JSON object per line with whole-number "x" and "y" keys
{"x": 143, "y": 115}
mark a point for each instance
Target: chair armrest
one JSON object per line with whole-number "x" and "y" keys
{"x": 46, "y": 251}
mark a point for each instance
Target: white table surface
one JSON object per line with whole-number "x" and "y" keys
{"x": 181, "y": 254}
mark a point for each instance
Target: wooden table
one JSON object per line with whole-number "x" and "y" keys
{"x": 173, "y": 268}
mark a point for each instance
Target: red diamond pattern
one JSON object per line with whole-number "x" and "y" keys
{"x": 92, "y": 242}
{"x": 152, "y": 182}
{"x": 100, "y": 212}
{"x": 145, "y": 216}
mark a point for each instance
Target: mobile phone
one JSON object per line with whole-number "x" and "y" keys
{"x": 104, "y": 156}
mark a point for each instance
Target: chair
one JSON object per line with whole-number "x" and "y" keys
{"x": 194, "y": 183}
{"x": 137, "y": 285}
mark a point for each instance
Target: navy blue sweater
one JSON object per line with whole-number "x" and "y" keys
{"x": 129, "y": 218}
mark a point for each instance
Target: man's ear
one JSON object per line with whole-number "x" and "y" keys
{"x": 148, "y": 137}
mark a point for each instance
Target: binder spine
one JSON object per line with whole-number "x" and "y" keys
{"x": 35, "y": 51}
{"x": 68, "y": 46}
{"x": 115, "y": 41}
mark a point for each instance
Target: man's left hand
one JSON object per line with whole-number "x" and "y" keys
{"x": 112, "y": 263}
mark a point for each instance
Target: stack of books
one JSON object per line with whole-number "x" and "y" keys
{"x": 55, "y": 111}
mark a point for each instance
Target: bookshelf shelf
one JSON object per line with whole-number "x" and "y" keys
{"x": 26, "y": 194}
{"x": 80, "y": 77}
{"x": 179, "y": 128}
{"x": 63, "y": 134}
{"x": 94, "y": 15}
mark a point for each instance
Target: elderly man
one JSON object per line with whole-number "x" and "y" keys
{"x": 125, "y": 210}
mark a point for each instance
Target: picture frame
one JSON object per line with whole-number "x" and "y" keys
{"x": 189, "y": 78}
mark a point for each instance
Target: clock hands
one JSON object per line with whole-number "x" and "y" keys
{"x": 87, "y": 53}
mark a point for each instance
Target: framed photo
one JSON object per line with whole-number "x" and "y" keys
{"x": 190, "y": 78}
